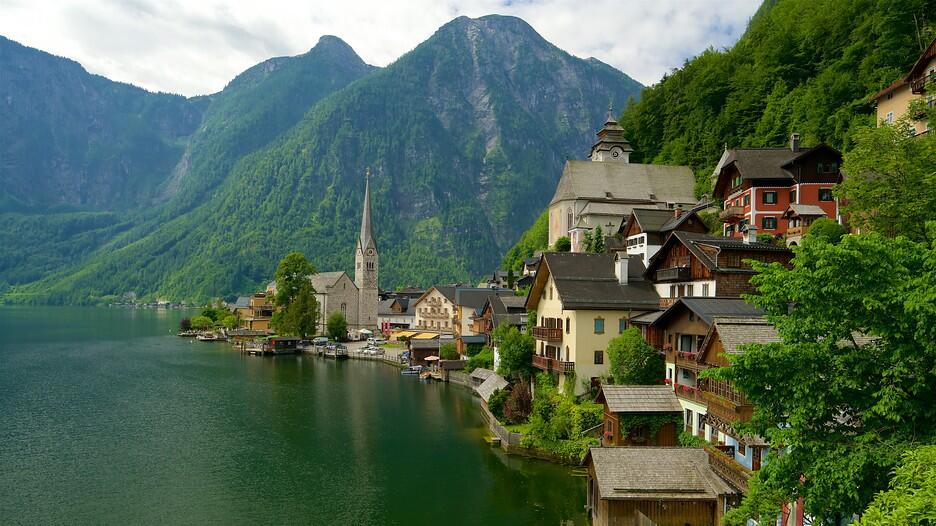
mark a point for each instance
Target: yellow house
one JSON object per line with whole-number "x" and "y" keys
{"x": 255, "y": 312}
{"x": 582, "y": 302}
{"x": 435, "y": 310}
{"x": 893, "y": 100}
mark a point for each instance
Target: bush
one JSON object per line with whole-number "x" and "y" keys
{"x": 690, "y": 440}
{"x": 496, "y": 403}
{"x": 473, "y": 348}
{"x": 337, "y": 327}
{"x": 448, "y": 352}
{"x": 185, "y": 324}
{"x": 484, "y": 359}
{"x": 633, "y": 361}
{"x": 827, "y": 229}
{"x": 563, "y": 244}
{"x": 519, "y": 404}
{"x": 201, "y": 323}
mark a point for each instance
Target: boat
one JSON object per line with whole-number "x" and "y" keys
{"x": 412, "y": 370}
{"x": 337, "y": 352}
{"x": 211, "y": 337}
{"x": 187, "y": 334}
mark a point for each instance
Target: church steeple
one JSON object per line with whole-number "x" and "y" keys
{"x": 367, "y": 230}
{"x": 611, "y": 145}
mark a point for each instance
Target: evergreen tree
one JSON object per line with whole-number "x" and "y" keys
{"x": 598, "y": 241}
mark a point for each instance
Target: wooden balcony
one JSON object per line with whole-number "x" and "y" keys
{"x": 731, "y": 213}
{"x": 687, "y": 392}
{"x": 674, "y": 274}
{"x": 918, "y": 85}
{"x": 726, "y": 410}
{"x": 795, "y": 231}
{"x": 552, "y": 365}
{"x": 687, "y": 360}
{"x": 547, "y": 334}
{"x": 728, "y": 468}
{"x": 665, "y": 303}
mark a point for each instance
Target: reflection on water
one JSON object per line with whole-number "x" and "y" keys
{"x": 105, "y": 417}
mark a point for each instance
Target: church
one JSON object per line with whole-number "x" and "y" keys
{"x": 357, "y": 299}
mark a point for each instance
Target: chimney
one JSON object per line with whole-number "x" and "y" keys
{"x": 751, "y": 235}
{"x": 620, "y": 268}
{"x": 677, "y": 211}
{"x": 794, "y": 142}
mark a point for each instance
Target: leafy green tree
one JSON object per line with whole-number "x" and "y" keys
{"x": 891, "y": 180}
{"x": 911, "y": 498}
{"x": 588, "y": 241}
{"x": 827, "y": 229}
{"x": 563, "y": 244}
{"x": 633, "y": 361}
{"x": 849, "y": 387}
{"x": 292, "y": 274}
{"x": 229, "y": 321}
{"x": 598, "y": 241}
{"x": 515, "y": 350}
{"x": 200, "y": 323}
{"x": 300, "y": 315}
{"x": 337, "y": 327}
{"x": 484, "y": 359}
{"x": 448, "y": 352}
{"x": 511, "y": 279}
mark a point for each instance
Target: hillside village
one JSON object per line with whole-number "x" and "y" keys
{"x": 631, "y": 252}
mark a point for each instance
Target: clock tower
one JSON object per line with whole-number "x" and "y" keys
{"x": 366, "y": 265}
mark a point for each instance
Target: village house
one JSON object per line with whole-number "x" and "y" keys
{"x": 690, "y": 264}
{"x": 679, "y": 332}
{"x": 603, "y": 190}
{"x": 758, "y": 185}
{"x": 255, "y": 311}
{"x": 396, "y": 313}
{"x": 625, "y": 403}
{"x": 645, "y": 229}
{"x": 663, "y": 486}
{"x": 435, "y": 310}
{"x": 735, "y": 457}
{"x": 893, "y": 101}
{"x": 582, "y": 301}
{"x": 468, "y": 305}
{"x": 498, "y": 311}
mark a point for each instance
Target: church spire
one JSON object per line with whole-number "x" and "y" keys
{"x": 367, "y": 236}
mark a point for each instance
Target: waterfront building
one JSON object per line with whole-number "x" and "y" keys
{"x": 690, "y": 264}
{"x": 582, "y": 301}
{"x": 668, "y": 486}
{"x": 435, "y": 310}
{"x": 622, "y": 402}
{"x": 602, "y": 190}
{"x": 758, "y": 185}
{"x": 255, "y": 311}
{"x": 892, "y": 102}
{"x": 396, "y": 313}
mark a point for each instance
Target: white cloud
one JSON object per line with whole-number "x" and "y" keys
{"x": 196, "y": 47}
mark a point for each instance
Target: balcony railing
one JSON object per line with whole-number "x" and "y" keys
{"x": 918, "y": 85}
{"x": 795, "y": 231}
{"x": 723, "y": 390}
{"x": 726, "y": 411}
{"x": 548, "y": 334}
{"x": 687, "y": 392}
{"x": 551, "y": 364}
{"x": 674, "y": 274}
{"x": 730, "y": 213}
{"x": 665, "y": 303}
{"x": 729, "y": 469}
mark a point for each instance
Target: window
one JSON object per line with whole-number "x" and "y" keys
{"x": 672, "y": 291}
{"x": 685, "y": 343}
{"x": 889, "y": 118}
{"x": 599, "y": 326}
{"x": 569, "y": 218}
{"x": 770, "y": 198}
{"x": 599, "y": 357}
{"x": 568, "y": 326}
{"x": 686, "y": 375}
{"x": 729, "y": 230}
{"x": 705, "y": 289}
{"x": 792, "y": 196}
{"x": 688, "y": 417}
{"x": 732, "y": 260}
{"x": 622, "y": 325}
{"x": 700, "y": 421}
{"x": 769, "y": 223}
{"x": 825, "y": 194}
{"x": 344, "y": 309}
{"x": 747, "y": 199}
{"x": 689, "y": 291}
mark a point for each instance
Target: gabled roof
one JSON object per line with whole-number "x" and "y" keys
{"x": 475, "y": 298}
{"x": 447, "y": 291}
{"x": 734, "y": 331}
{"x": 481, "y": 373}
{"x": 625, "y": 182}
{"x": 763, "y": 164}
{"x": 707, "y": 309}
{"x": 587, "y": 281}
{"x": 242, "y": 302}
{"x": 639, "y": 398}
{"x": 696, "y": 242}
{"x": 325, "y": 280}
{"x": 655, "y": 473}
{"x": 796, "y": 209}
{"x": 492, "y": 383}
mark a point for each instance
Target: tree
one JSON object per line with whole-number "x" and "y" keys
{"x": 200, "y": 323}
{"x": 890, "y": 185}
{"x": 849, "y": 386}
{"x": 185, "y": 324}
{"x": 448, "y": 352}
{"x": 229, "y": 321}
{"x": 588, "y": 243}
{"x": 293, "y": 272}
{"x": 827, "y": 229}
{"x": 515, "y": 350}
{"x": 484, "y": 359}
{"x": 633, "y": 361}
{"x": 300, "y": 316}
{"x": 563, "y": 244}
{"x": 510, "y": 278}
{"x": 337, "y": 327}
{"x": 518, "y": 405}
{"x": 598, "y": 241}
{"x": 911, "y": 498}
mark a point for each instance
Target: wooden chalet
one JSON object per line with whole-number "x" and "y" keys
{"x": 662, "y": 486}
{"x": 622, "y": 401}
{"x": 645, "y": 229}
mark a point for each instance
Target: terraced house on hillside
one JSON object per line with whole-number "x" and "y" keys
{"x": 583, "y": 301}
{"x": 892, "y": 102}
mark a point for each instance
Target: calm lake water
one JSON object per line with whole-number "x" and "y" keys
{"x": 107, "y": 418}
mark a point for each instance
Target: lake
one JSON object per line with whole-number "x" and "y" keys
{"x": 106, "y": 417}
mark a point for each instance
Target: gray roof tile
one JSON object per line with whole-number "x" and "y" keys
{"x": 656, "y": 473}
{"x": 640, "y": 398}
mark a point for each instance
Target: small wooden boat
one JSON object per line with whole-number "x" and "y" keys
{"x": 211, "y": 337}
{"x": 337, "y": 352}
{"x": 412, "y": 370}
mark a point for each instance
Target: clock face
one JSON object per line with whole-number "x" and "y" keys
{"x": 370, "y": 252}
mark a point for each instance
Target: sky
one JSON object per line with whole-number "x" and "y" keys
{"x": 195, "y": 47}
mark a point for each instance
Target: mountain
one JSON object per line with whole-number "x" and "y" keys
{"x": 47, "y": 231}
{"x": 465, "y": 136}
{"x": 805, "y": 66}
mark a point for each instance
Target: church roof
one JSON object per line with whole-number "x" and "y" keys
{"x": 322, "y": 281}
{"x": 634, "y": 184}
{"x": 367, "y": 230}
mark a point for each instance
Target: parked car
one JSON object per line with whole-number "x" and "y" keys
{"x": 375, "y": 341}
{"x": 319, "y": 341}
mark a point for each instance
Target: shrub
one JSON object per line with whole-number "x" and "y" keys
{"x": 633, "y": 361}
{"x": 185, "y": 324}
{"x": 496, "y": 403}
{"x": 448, "y": 352}
{"x": 827, "y": 229}
{"x": 519, "y": 404}
{"x": 563, "y": 244}
{"x": 473, "y": 348}
{"x": 690, "y": 440}
{"x": 201, "y": 323}
{"x": 484, "y": 359}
